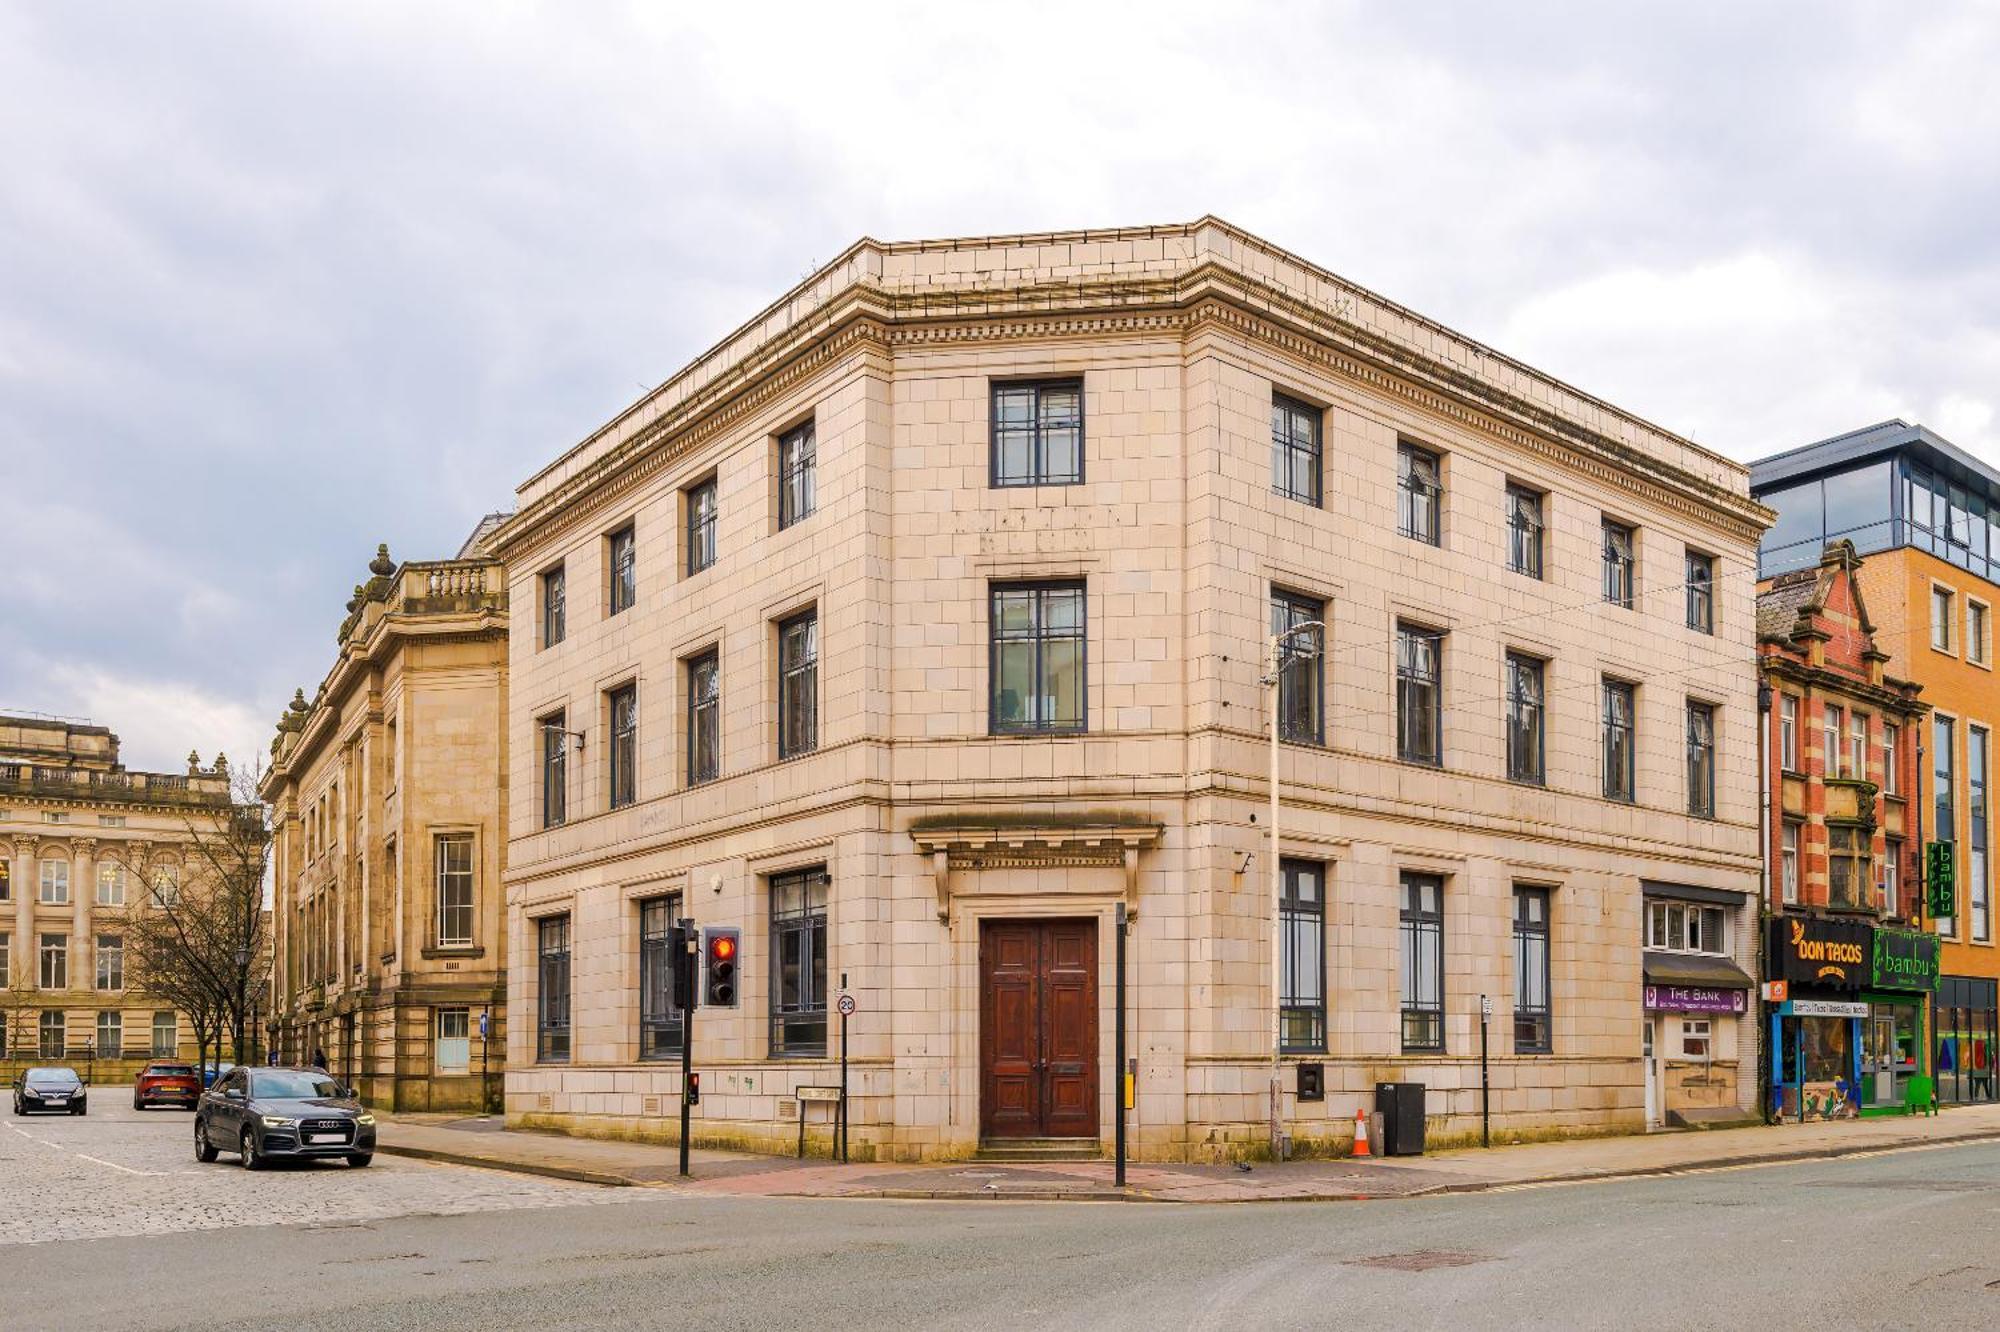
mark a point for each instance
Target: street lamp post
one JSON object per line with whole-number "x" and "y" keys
{"x": 242, "y": 996}
{"x": 1274, "y": 682}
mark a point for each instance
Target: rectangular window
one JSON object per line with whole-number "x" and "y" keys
{"x": 1701, "y": 592}
{"x": 1943, "y": 777}
{"x": 1847, "y": 877}
{"x": 55, "y": 962}
{"x": 110, "y": 1035}
{"x": 110, "y": 962}
{"x": 660, "y": 1019}
{"x": 1525, "y": 740}
{"x": 1830, "y": 721}
{"x": 624, "y": 748}
{"x": 1619, "y": 564}
{"x": 1298, "y": 623}
{"x": 1422, "y": 930}
{"x": 55, "y": 882}
{"x": 1038, "y": 433}
{"x": 1892, "y": 745}
{"x": 6, "y": 878}
{"x": 555, "y": 624}
{"x": 798, "y": 963}
{"x": 798, "y": 469}
{"x": 1978, "y": 890}
{"x": 1532, "y": 1017}
{"x": 166, "y": 1035}
{"x": 624, "y": 569}
{"x": 454, "y": 1041}
{"x": 703, "y": 505}
{"x": 1620, "y": 741}
{"x": 1892, "y": 878}
{"x": 1975, "y": 632}
{"x": 554, "y": 730}
{"x": 454, "y": 891}
{"x": 1701, "y": 760}
{"x": 110, "y": 820}
{"x": 798, "y": 685}
{"x": 1789, "y": 863}
{"x": 1524, "y": 530}
{"x": 704, "y": 722}
{"x": 1857, "y": 746}
{"x": 1038, "y": 657}
{"x": 552, "y": 990}
{"x": 1788, "y": 732}
{"x": 52, "y": 1035}
{"x": 1302, "y": 927}
{"x": 1677, "y": 927}
{"x": 1419, "y": 493}
{"x": 1419, "y": 694}
{"x": 166, "y": 886}
{"x": 1295, "y": 449}
{"x": 110, "y": 883}
{"x": 1695, "y": 1037}
{"x": 1941, "y": 615}
{"x": 6, "y": 969}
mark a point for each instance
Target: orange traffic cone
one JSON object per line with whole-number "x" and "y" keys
{"x": 1361, "y": 1133}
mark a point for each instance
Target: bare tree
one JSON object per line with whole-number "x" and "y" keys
{"x": 18, "y": 1011}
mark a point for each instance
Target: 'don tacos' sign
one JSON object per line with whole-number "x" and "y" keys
{"x": 1811, "y": 951}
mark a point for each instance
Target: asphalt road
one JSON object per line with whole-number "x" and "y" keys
{"x": 1895, "y": 1240}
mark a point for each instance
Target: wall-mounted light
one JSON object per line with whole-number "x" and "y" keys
{"x": 574, "y": 735}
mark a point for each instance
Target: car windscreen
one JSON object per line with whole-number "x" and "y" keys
{"x": 52, "y": 1077}
{"x": 170, "y": 1071}
{"x": 286, "y": 1085}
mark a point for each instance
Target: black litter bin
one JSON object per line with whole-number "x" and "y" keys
{"x": 1402, "y": 1108}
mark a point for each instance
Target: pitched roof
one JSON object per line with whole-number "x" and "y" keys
{"x": 1778, "y": 606}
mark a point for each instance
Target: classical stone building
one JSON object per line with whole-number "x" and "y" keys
{"x": 83, "y": 844}
{"x": 920, "y": 626}
{"x": 387, "y": 794}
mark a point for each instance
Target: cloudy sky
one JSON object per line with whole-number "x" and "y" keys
{"x": 278, "y": 282}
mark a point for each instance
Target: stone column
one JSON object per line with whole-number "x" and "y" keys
{"x": 25, "y": 888}
{"x": 82, "y": 893}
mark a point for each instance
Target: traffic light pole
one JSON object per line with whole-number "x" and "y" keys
{"x": 689, "y": 959}
{"x": 1118, "y": 1176}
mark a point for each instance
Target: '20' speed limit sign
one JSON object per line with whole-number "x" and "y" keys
{"x": 846, "y": 1004}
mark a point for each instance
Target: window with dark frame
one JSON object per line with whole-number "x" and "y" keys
{"x": 1302, "y": 927}
{"x": 1849, "y": 880}
{"x": 110, "y": 961}
{"x": 1533, "y": 1023}
{"x": 454, "y": 890}
{"x": 702, "y": 503}
{"x": 1419, "y": 492}
{"x": 1525, "y": 719}
{"x": 704, "y": 725}
{"x": 1301, "y": 666}
{"x": 554, "y": 729}
{"x": 1422, "y": 930}
{"x": 552, "y": 990}
{"x": 798, "y": 963}
{"x": 624, "y": 569}
{"x": 798, "y": 685}
{"x": 798, "y": 468}
{"x": 55, "y": 962}
{"x": 1701, "y": 759}
{"x": 1038, "y": 433}
{"x": 1419, "y": 690}
{"x": 1701, "y": 592}
{"x": 1295, "y": 449}
{"x": 1524, "y": 530}
{"x": 1619, "y": 564}
{"x": 1620, "y": 741}
{"x": 52, "y": 1034}
{"x": 624, "y": 747}
{"x": 661, "y": 1022}
{"x": 1039, "y": 657}
{"x": 1978, "y": 891}
{"x": 166, "y": 1034}
{"x": 555, "y": 624}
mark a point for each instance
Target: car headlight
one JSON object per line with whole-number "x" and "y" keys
{"x": 365, "y": 1119}
{"x": 278, "y": 1121}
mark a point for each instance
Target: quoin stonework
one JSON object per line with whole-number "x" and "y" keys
{"x": 387, "y": 792}
{"x": 923, "y": 623}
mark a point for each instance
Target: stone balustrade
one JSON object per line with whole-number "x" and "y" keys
{"x": 28, "y": 779}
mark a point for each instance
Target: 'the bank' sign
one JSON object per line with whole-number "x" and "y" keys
{"x": 1810, "y": 950}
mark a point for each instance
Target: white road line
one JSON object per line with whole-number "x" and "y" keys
{"x": 56, "y": 1146}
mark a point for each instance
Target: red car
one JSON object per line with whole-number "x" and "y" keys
{"x": 166, "y": 1084}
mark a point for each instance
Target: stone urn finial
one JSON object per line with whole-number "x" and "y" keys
{"x": 221, "y": 762}
{"x": 194, "y": 761}
{"x": 299, "y": 703}
{"x": 382, "y": 566}
{"x": 354, "y": 602}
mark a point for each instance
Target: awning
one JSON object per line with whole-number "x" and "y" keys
{"x": 1716, "y": 973}
{"x": 1689, "y": 892}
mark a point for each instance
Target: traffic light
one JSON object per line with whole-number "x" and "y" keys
{"x": 723, "y": 944}
{"x": 681, "y": 964}
{"x": 694, "y": 1089}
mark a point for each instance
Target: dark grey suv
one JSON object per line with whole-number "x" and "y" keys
{"x": 266, "y": 1114}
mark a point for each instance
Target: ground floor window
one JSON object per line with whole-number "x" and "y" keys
{"x": 454, "y": 1040}
{"x": 1302, "y": 929}
{"x": 660, "y": 1021}
{"x": 1697, "y": 1038}
{"x": 1968, "y": 1038}
{"x": 552, "y": 995}
{"x": 798, "y": 963}
{"x": 52, "y": 1035}
{"x": 1422, "y": 930}
{"x": 166, "y": 1036}
{"x": 110, "y": 1035}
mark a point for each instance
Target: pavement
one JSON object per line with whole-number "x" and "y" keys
{"x": 488, "y": 1144}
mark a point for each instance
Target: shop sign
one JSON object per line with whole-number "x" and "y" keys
{"x": 1693, "y": 999}
{"x": 1833, "y": 1008}
{"x": 1809, "y": 950}
{"x": 1904, "y": 960}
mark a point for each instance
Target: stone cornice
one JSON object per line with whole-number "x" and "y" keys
{"x": 1887, "y": 697}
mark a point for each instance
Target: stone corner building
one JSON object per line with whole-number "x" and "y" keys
{"x": 920, "y": 624}
{"x": 79, "y": 835}
{"x": 387, "y": 794}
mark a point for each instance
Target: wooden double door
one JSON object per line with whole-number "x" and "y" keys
{"x": 1038, "y": 1029}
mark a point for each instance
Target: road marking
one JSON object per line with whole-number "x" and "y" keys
{"x": 94, "y": 1160}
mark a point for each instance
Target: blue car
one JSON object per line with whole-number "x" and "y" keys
{"x": 210, "y": 1072}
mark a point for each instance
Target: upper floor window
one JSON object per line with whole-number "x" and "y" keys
{"x": 624, "y": 747}
{"x": 110, "y": 961}
{"x": 1701, "y": 759}
{"x": 1620, "y": 741}
{"x": 798, "y": 467}
{"x": 798, "y": 685}
{"x": 1524, "y": 530}
{"x": 1788, "y": 732}
{"x": 1892, "y": 746}
{"x": 1524, "y": 719}
{"x": 704, "y": 745}
{"x": 55, "y": 962}
{"x": 55, "y": 882}
{"x": 454, "y": 890}
{"x": 1941, "y": 615}
{"x": 1975, "y": 632}
{"x": 1038, "y": 657}
{"x": 1788, "y": 862}
{"x": 1701, "y": 592}
{"x": 1944, "y": 736}
{"x": 110, "y": 883}
{"x": 1848, "y": 879}
{"x": 1295, "y": 449}
{"x": 1831, "y": 720}
{"x": 1857, "y": 745}
{"x": 555, "y": 622}
{"x": 1620, "y": 564}
{"x": 1419, "y": 694}
{"x": 1298, "y": 623}
{"x": 554, "y": 730}
{"x": 702, "y": 507}
{"x": 1681, "y": 927}
{"x": 1419, "y": 493}
{"x": 166, "y": 886}
{"x": 1038, "y": 433}
{"x": 624, "y": 569}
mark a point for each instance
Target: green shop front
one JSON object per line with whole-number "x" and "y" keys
{"x": 1897, "y": 1077}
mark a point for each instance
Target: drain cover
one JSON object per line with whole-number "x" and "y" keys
{"x": 1422, "y": 1260}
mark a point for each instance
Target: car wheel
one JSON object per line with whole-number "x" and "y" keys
{"x": 360, "y": 1159}
{"x": 203, "y": 1151}
{"x": 137, "y": 1104}
{"x": 248, "y": 1148}
{"x": 81, "y": 1110}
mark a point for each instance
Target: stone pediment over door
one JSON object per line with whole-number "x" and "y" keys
{"x": 958, "y": 848}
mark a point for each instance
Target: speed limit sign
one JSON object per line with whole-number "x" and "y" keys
{"x": 846, "y": 1004}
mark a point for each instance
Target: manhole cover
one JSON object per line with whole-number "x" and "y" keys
{"x": 1422, "y": 1260}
